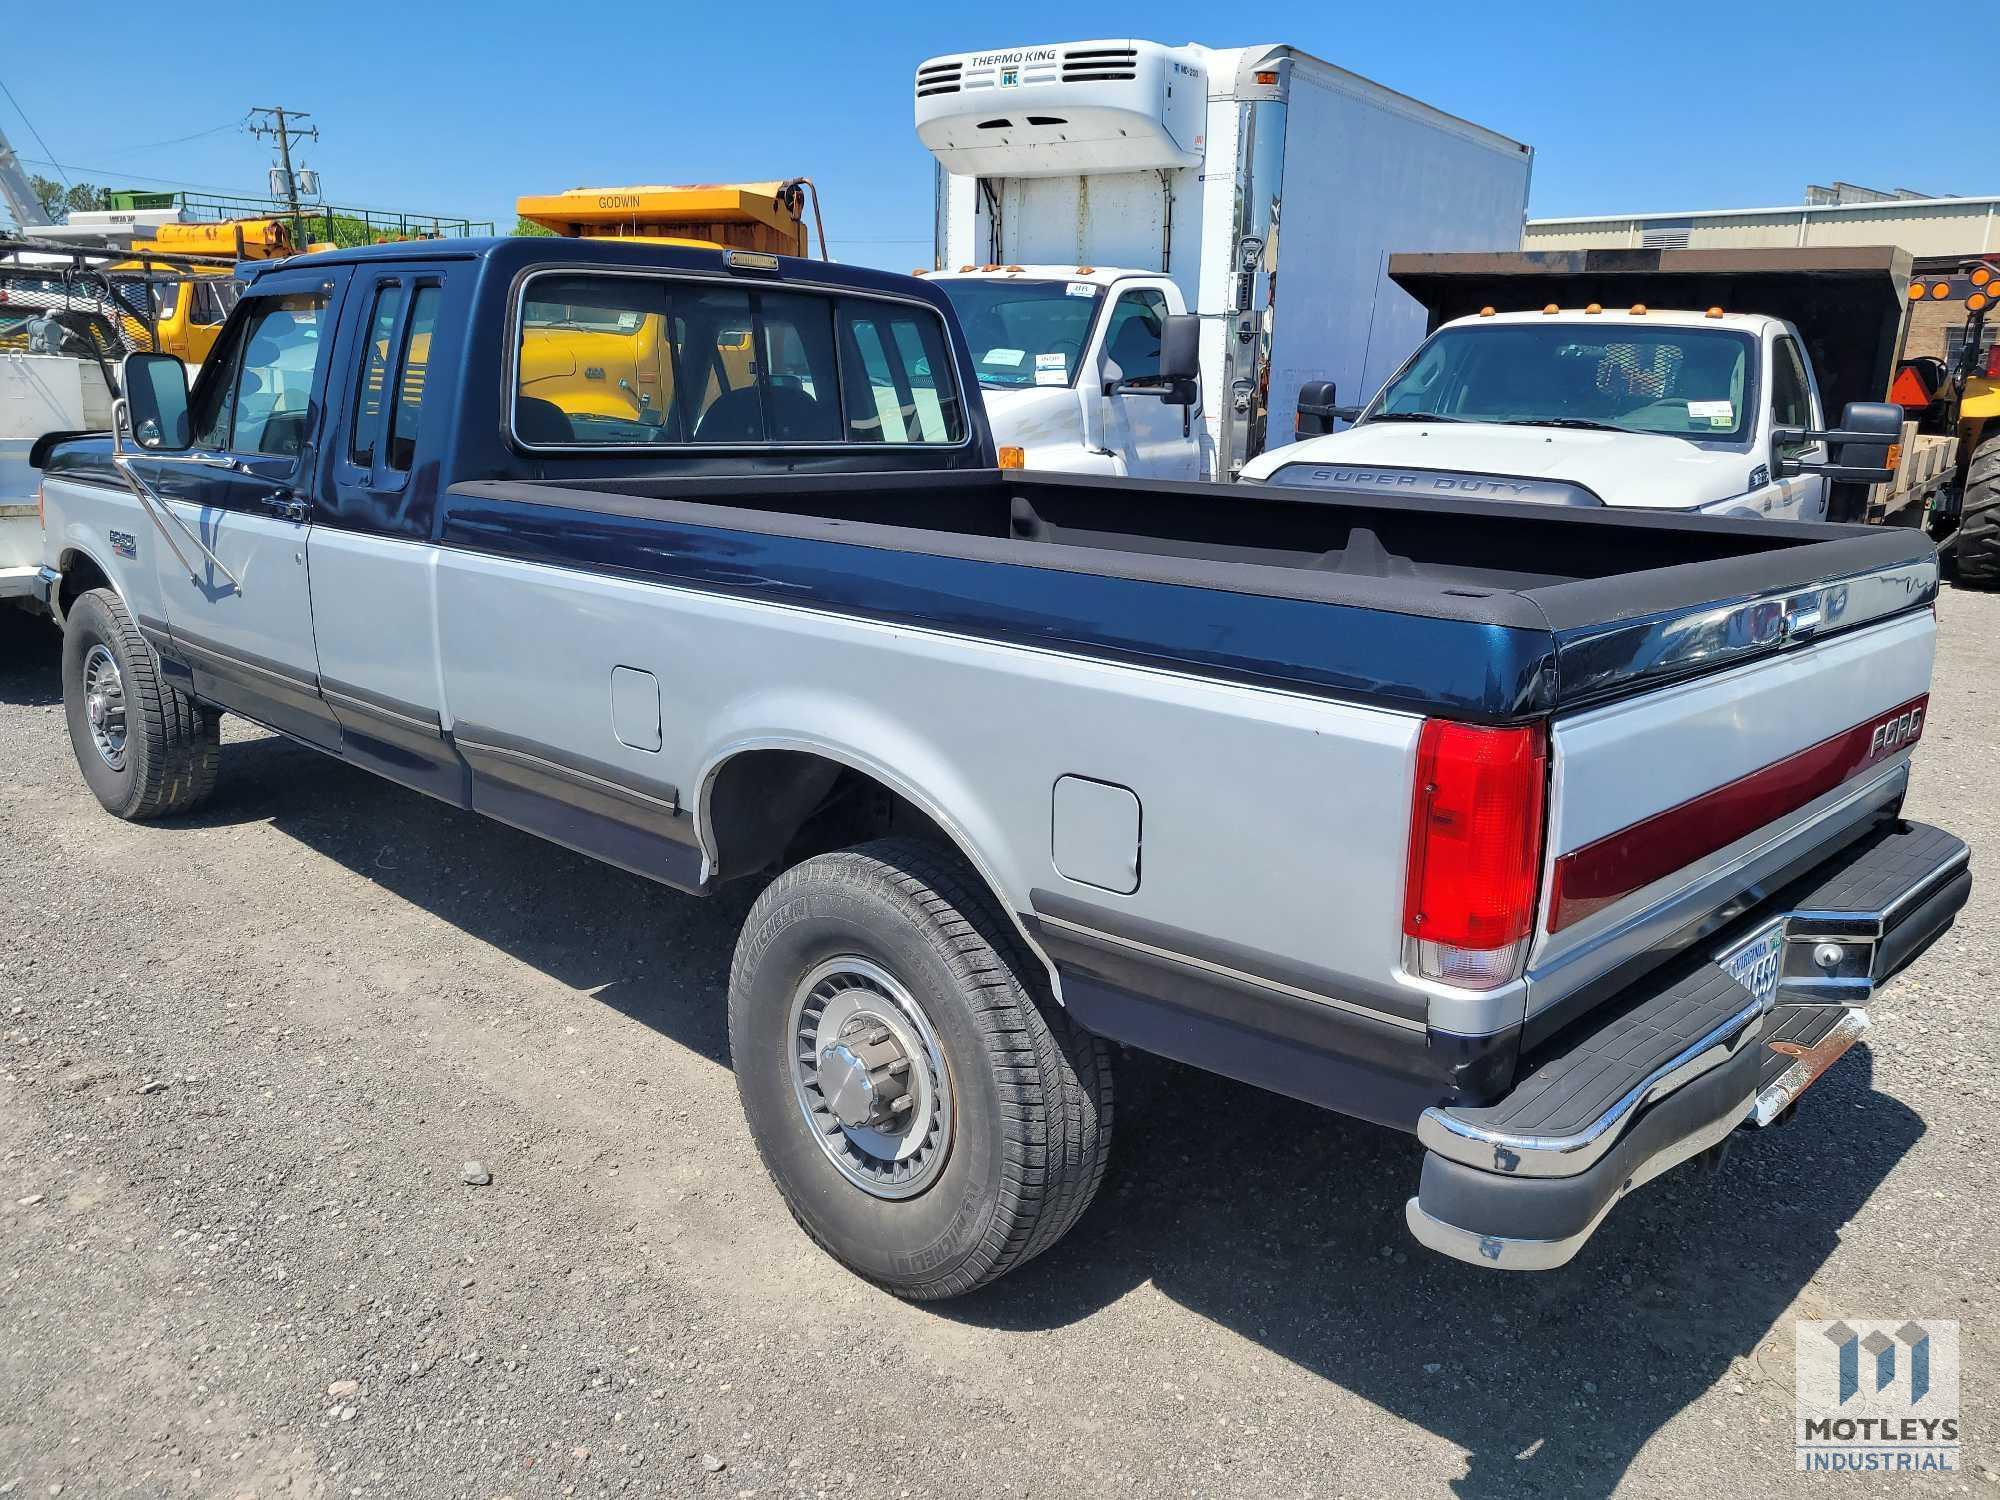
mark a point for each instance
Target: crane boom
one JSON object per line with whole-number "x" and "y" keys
{"x": 20, "y": 195}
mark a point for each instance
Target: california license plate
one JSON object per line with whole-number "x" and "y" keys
{"x": 1754, "y": 964}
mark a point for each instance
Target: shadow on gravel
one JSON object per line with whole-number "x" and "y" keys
{"x": 648, "y": 952}
{"x": 1275, "y": 1220}
{"x": 651, "y": 953}
{"x": 30, "y": 659}
{"x": 1284, "y": 1224}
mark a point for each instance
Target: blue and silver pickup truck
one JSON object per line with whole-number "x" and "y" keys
{"x": 1568, "y": 841}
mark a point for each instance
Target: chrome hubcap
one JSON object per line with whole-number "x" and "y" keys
{"x": 104, "y": 705}
{"x": 870, "y": 1078}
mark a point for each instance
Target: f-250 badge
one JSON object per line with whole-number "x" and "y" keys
{"x": 124, "y": 544}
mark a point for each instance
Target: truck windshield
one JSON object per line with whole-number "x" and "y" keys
{"x": 1024, "y": 332}
{"x": 1625, "y": 376}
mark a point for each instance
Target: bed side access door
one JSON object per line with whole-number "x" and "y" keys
{"x": 246, "y": 627}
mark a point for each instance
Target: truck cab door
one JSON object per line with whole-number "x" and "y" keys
{"x": 1795, "y": 403}
{"x": 1147, "y": 435}
{"x": 245, "y": 489}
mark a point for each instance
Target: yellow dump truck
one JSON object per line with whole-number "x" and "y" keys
{"x": 613, "y": 365}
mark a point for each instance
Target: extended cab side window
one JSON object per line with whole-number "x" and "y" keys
{"x": 1791, "y": 397}
{"x": 373, "y": 380}
{"x": 259, "y": 405}
{"x": 405, "y": 420}
{"x": 1132, "y": 333}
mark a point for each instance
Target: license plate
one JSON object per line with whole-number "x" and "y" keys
{"x": 1754, "y": 965}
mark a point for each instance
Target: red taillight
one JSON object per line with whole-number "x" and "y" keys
{"x": 1475, "y": 851}
{"x": 1993, "y": 363}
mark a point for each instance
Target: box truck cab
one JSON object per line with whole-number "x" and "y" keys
{"x": 1070, "y": 365}
{"x": 1153, "y": 178}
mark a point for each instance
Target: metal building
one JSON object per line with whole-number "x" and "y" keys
{"x": 1925, "y": 227}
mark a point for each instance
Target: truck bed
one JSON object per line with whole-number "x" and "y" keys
{"x": 1489, "y": 612}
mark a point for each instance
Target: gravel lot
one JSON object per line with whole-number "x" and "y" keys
{"x": 246, "y": 1056}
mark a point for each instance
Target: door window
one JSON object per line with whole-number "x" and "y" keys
{"x": 1132, "y": 333}
{"x": 1791, "y": 397}
{"x": 259, "y": 405}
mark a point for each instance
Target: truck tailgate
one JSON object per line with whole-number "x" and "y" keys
{"x": 1682, "y": 797}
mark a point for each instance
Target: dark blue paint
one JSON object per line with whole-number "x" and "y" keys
{"x": 1458, "y": 668}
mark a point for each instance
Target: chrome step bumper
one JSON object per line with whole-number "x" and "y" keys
{"x": 1691, "y": 1053}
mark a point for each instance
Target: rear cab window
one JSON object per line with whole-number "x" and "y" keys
{"x": 643, "y": 362}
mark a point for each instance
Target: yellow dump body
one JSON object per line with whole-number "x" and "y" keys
{"x": 733, "y": 215}
{"x": 595, "y": 362}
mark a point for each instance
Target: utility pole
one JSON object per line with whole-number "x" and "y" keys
{"x": 277, "y": 123}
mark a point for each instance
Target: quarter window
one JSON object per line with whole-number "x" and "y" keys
{"x": 408, "y": 412}
{"x": 374, "y": 377}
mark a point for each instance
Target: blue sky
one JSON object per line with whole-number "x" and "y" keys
{"x": 458, "y": 108}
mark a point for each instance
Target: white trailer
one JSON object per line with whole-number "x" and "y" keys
{"x": 1174, "y": 170}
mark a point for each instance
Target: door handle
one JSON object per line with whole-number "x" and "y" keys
{"x": 288, "y": 506}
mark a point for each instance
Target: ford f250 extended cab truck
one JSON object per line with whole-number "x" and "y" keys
{"x": 1450, "y": 817}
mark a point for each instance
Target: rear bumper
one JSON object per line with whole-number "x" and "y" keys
{"x": 1685, "y": 1058}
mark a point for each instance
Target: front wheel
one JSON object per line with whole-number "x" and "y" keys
{"x": 932, "y": 1119}
{"x": 145, "y": 750}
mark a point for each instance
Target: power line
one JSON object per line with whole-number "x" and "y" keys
{"x": 34, "y": 132}
{"x": 181, "y": 140}
{"x": 179, "y": 182}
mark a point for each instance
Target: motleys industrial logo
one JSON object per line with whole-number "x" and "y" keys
{"x": 1877, "y": 1396}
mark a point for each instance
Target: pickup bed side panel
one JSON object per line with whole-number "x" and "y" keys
{"x": 1260, "y": 813}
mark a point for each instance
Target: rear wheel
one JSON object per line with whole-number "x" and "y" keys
{"x": 145, "y": 750}
{"x": 1979, "y": 518}
{"x": 931, "y": 1117}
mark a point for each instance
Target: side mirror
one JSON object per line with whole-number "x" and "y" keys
{"x": 1858, "y": 448}
{"x": 1318, "y": 410}
{"x": 156, "y": 401}
{"x": 1180, "y": 347}
{"x": 1178, "y": 381}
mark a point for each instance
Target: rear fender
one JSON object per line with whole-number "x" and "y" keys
{"x": 894, "y": 753}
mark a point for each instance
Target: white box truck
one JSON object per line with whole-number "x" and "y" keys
{"x": 1087, "y": 192}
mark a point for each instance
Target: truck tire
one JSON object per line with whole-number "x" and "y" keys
{"x": 146, "y": 750}
{"x": 1979, "y": 518}
{"x": 932, "y": 1118}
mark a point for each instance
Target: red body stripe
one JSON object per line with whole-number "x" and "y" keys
{"x": 1613, "y": 867}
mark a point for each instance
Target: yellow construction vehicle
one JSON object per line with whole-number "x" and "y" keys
{"x": 612, "y": 364}
{"x": 1960, "y": 398}
{"x": 188, "y": 312}
{"x": 766, "y": 216}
